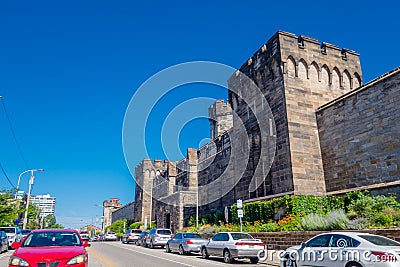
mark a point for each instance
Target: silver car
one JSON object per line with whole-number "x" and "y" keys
{"x": 344, "y": 249}
{"x": 158, "y": 237}
{"x": 185, "y": 243}
{"x": 231, "y": 245}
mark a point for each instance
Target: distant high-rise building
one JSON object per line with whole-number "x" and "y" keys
{"x": 45, "y": 203}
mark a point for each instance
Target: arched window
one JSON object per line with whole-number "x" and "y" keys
{"x": 291, "y": 67}
{"x": 335, "y": 79}
{"x": 346, "y": 80}
{"x": 325, "y": 75}
{"x": 302, "y": 70}
{"x": 313, "y": 73}
{"x": 356, "y": 80}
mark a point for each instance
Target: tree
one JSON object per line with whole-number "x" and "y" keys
{"x": 33, "y": 217}
{"x": 118, "y": 227}
{"x": 49, "y": 221}
{"x": 9, "y": 208}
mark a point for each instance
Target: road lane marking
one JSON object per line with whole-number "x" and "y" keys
{"x": 209, "y": 262}
{"x": 101, "y": 258}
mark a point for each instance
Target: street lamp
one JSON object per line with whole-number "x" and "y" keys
{"x": 19, "y": 178}
{"x": 29, "y": 194}
{"x": 102, "y": 220}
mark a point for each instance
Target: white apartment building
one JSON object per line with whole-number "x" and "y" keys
{"x": 46, "y": 204}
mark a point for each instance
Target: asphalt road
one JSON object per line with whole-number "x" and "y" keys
{"x": 116, "y": 254}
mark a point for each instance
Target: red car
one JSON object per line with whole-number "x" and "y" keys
{"x": 50, "y": 247}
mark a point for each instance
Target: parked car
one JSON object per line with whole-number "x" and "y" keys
{"x": 142, "y": 239}
{"x": 231, "y": 245}
{"x": 110, "y": 236}
{"x": 158, "y": 237}
{"x": 185, "y": 243}
{"x": 84, "y": 235}
{"x": 13, "y": 233}
{"x": 131, "y": 235}
{"x": 25, "y": 232}
{"x": 3, "y": 241}
{"x": 59, "y": 247}
{"x": 347, "y": 249}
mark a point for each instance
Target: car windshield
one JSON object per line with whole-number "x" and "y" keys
{"x": 380, "y": 240}
{"x": 237, "y": 236}
{"x": 191, "y": 235}
{"x": 164, "y": 232}
{"x": 136, "y": 231}
{"x": 44, "y": 239}
{"x": 8, "y": 230}
{"x": 110, "y": 233}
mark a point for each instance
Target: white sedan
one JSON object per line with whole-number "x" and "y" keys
{"x": 344, "y": 249}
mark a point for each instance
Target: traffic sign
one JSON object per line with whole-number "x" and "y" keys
{"x": 239, "y": 204}
{"x": 240, "y": 213}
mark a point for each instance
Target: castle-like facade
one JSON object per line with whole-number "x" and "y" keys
{"x": 331, "y": 135}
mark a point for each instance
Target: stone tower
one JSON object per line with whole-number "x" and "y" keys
{"x": 220, "y": 116}
{"x": 296, "y": 74}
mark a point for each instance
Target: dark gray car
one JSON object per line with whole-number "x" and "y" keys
{"x": 13, "y": 233}
{"x": 185, "y": 243}
{"x": 3, "y": 241}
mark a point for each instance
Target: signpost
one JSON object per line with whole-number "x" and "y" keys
{"x": 239, "y": 204}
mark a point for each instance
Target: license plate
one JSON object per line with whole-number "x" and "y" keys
{"x": 251, "y": 246}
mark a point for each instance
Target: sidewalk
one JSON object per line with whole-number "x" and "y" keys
{"x": 271, "y": 259}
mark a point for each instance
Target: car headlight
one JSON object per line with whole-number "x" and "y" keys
{"x": 15, "y": 261}
{"x": 78, "y": 259}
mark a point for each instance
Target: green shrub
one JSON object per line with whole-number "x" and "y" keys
{"x": 135, "y": 225}
{"x": 337, "y": 220}
{"x": 314, "y": 222}
{"x": 357, "y": 224}
{"x": 269, "y": 227}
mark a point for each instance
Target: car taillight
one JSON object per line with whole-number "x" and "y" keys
{"x": 155, "y": 235}
{"x": 189, "y": 242}
{"x": 248, "y": 244}
{"x": 384, "y": 256}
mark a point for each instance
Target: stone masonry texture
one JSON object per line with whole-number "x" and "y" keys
{"x": 327, "y": 133}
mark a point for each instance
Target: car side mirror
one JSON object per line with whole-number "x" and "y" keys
{"x": 86, "y": 244}
{"x": 303, "y": 245}
{"x": 16, "y": 245}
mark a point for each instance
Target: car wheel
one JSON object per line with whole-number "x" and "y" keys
{"x": 227, "y": 256}
{"x": 181, "y": 250}
{"x": 254, "y": 260}
{"x": 167, "y": 249}
{"x": 204, "y": 253}
{"x": 353, "y": 264}
{"x": 151, "y": 244}
{"x": 290, "y": 263}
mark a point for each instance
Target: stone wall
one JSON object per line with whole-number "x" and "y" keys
{"x": 360, "y": 137}
{"x": 127, "y": 212}
{"x": 283, "y": 240}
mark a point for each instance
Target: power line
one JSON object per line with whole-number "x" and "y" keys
{"x": 13, "y": 133}
{"x": 8, "y": 179}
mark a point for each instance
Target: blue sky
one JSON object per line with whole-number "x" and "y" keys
{"x": 68, "y": 70}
